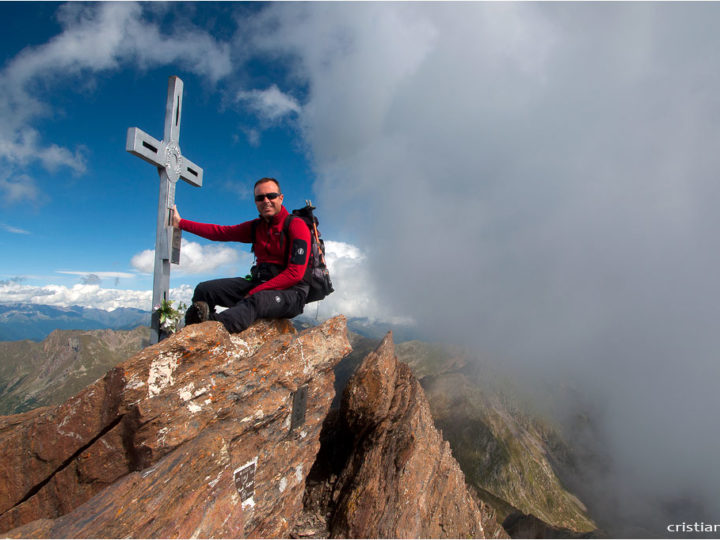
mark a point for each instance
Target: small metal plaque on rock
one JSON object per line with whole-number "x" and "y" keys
{"x": 299, "y": 406}
{"x": 245, "y": 481}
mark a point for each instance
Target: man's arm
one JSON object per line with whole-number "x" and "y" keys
{"x": 299, "y": 241}
{"x": 221, "y": 233}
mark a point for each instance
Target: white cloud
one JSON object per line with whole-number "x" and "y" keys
{"x": 194, "y": 258}
{"x": 336, "y": 252}
{"x": 271, "y": 103}
{"x": 101, "y": 275}
{"x": 241, "y": 189}
{"x": 253, "y": 136}
{"x": 355, "y": 294}
{"x": 99, "y": 37}
{"x": 24, "y": 146}
{"x": 91, "y": 279}
{"x": 13, "y": 230}
{"x": 144, "y": 261}
{"x": 20, "y": 188}
{"x": 350, "y": 56}
{"x": 86, "y": 295}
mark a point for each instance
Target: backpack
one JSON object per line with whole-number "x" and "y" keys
{"x": 316, "y": 273}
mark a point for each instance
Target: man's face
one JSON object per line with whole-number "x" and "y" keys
{"x": 268, "y": 207}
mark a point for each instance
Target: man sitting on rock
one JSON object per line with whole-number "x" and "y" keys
{"x": 276, "y": 287}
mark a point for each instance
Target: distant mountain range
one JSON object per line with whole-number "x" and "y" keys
{"x": 37, "y": 321}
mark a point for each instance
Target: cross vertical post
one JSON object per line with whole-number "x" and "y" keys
{"x": 171, "y": 166}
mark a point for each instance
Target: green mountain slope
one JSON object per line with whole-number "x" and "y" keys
{"x": 35, "y": 374}
{"x": 506, "y": 452}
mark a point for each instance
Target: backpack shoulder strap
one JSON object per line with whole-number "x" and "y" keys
{"x": 286, "y": 235}
{"x": 253, "y": 233}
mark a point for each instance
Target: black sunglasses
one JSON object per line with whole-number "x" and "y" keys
{"x": 271, "y": 196}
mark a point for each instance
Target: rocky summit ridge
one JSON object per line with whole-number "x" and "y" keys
{"x": 208, "y": 434}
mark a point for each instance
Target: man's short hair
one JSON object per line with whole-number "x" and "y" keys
{"x": 264, "y": 180}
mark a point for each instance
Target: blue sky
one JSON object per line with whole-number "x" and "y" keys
{"x": 536, "y": 180}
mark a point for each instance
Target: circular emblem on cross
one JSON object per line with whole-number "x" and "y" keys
{"x": 173, "y": 161}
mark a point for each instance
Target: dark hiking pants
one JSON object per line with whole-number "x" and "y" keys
{"x": 242, "y": 312}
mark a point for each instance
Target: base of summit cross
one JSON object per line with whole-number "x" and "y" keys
{"x": 172, "y": 166}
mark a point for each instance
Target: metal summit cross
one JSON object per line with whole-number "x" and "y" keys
{"x": 172, "y": 165}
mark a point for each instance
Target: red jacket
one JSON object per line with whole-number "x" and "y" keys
{"x": 269, "y": 247}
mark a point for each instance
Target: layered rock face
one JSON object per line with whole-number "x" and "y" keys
{"x": 205, "y": 434}
{"x": 398, "y": 478}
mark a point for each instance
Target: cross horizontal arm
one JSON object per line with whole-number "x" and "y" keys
{"x": 144, "y": 146}
{"x": 191, "y": 173}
